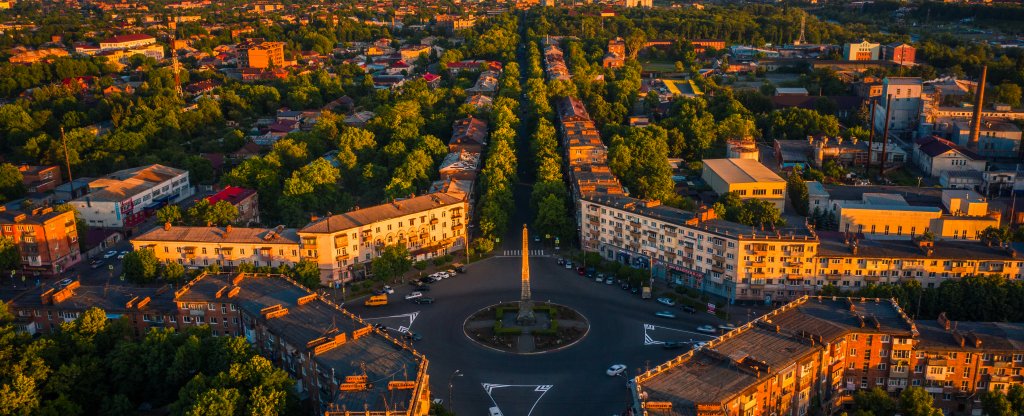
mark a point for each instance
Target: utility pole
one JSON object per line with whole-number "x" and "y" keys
{"x": 67, "y": 161}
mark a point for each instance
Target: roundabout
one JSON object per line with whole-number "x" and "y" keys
{"x": 557, "y": 327}
{"x": 569, "y": 379}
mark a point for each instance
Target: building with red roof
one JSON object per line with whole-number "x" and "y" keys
{"x": 246, "y": 200}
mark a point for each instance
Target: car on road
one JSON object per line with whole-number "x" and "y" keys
{"x": 423, "y": 288}
{"x": 625, "y": 286}
{"x": 413, "y": 295}
{"x": 689, "y": 309}
{"x": 561, "y": 262}
{"x": 95, "y": 264}
{"x": 616, "y": 369}
{"x": 120, "y": 256}
{"x": 387, "y": 289}
{"x": 63, "y": 283}
{"x": 609, "y": 281}
{"x": 706, "y": 329}
{"x": 599, "y": 279}
{"x": 424, "y": 301}
{"x": 568, "y": 264}
{"x": 380, "y": 326}
{"x": 495, "y": 411}
{"x": 666, "y": 301}
{"x": 536, "y": 239}
{"x": 451, "y": 272}
{"x": 634, "y": 290}
{"x": 109, "y": 254}
{"x": 727, "y": 327}
{"x": 460, "y": 268}
{"x": 673, "y": 345}
{"x": 699, "y": 345}
{"x": 412, "y": 336}
{"x": 581, "y": 271}
{"x": 665, "y": 314}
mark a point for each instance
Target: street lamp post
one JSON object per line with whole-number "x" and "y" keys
{"x": 451, "y": 383}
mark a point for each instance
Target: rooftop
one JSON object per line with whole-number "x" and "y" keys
{"x": 127, "y": 183}
{"x": 235, "y": 235}
{"x": 367, "y": 216}
{"x": 232, "y": 194}
{"x": 741, "y": 170}
{"x": 834, "y": 244}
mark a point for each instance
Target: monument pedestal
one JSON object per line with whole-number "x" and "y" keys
{"x": 525, "y": 317}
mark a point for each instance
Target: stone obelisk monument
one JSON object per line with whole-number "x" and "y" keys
{"x": 525, "y": 316}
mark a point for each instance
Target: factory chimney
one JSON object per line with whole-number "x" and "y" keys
{"x": 972, "y": 143}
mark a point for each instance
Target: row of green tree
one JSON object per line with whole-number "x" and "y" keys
{"x": 94, "y": 365}
{"x": 987, "y": 298}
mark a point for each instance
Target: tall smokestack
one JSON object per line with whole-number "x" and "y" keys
{"x": 972, "y": 143}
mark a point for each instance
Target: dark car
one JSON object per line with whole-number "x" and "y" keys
{"x": 412, "y": 336}
{"x": 424, "y": 301}
{"x": 423, "y": 288}
{"x": 426, "y": 279}
{"x": 625, "y": 286}
{"x": 673, "y": 345}
{"x": 460, "y": 268}
{"x": 634, "y": 290}
{"x": 561, "y": 262}
{"x": 689, "y": 309}
{"x": 96, "y": 264}
{"x": 380, "y": 327}
{"x": 581, "y": 271}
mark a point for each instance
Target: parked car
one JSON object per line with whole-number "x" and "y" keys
{"x": 413, "y": 295}
{"x": 387, "y": 289}
{"x": 625, "y": 286}
{"x": 423, "y": 288}
{"x": 460, "y": 268}
{"x": 561, "y": 262}
{"x": 599, "y": 279}
{"x": 616, "y": 369}
{"x": 581, "y": 271}
{"x": 673, "y": 345}
{"x": 568, "y": 264}
{"x": 412, "y": 336}
{"x": 634, "y": 290}
{"x": 109, "y": 254}
{"x": 426, "y": 279}
{"x": 63, "y": 283}
{"x": 95, "y": 264}
{"x": 689, "y": 309}
{"x": 665, "y": 314}
{"x": 609, "y": 281}
{"x": 424, "y": 301}
{"x": 727, "y": 327}
{"x": 706, "y": 329}
{"x": 666, "y": 301}
{"x": 699, "y": 345}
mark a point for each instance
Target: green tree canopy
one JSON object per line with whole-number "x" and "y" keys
{"x": 393, "y": 261}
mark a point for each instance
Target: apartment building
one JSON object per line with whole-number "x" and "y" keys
{"x": 260, "y": 54}
{"x": 125, "y": 198}
{"x": 226, "y": 247}
{"x": 133, "y": 41}
{"x": 40, "y": 178}
{"x": 696, "y": 250}
{"x": 812, "y": 355}
{"x": 320, "y": 345}
{"x": 344, "y": 245}
{"x": 747, "y": 177}
{"x": 47, "y": 240}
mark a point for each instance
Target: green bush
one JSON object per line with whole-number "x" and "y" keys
{"x": 499, "y": 329}
{"x": 420, "y": 265}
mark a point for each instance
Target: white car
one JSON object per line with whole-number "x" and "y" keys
{"x": 389, "y": 290}
{"x": 616, "y": 370}
{"x": 413, "y": 295}
{"x": 120, "y": 256}
{"x": 727, "y": 327}
{"x": 706, "y": 329}
{"x": 109, "y": 254}
{"x": 699, "y": 345}
{"x": 666, "y": 301}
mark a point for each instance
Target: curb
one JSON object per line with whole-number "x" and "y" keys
{"x": 474, "y": 341}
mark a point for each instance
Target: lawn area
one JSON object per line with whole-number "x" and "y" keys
{"x": 902, "y": 177}
{"x": 658, "y": 66}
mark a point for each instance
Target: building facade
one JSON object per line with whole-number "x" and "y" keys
{"x": 245, "y": 200}
{"x": 260, "y": 54}
{"x": 863, "y": 51}
{"x": 747, "y": 177}
{"x": 812, "y": 355}
{"x": 47, "y": 240}
{"x": 903, "y": 94}
{"x": 127, "y": 197}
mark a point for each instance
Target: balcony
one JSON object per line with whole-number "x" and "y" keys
{"x": 833, "y": 277}
{"x": 457, "y": 214}
{"x": 871, "y": 278}
{"x": 960, "y": 269}
{"x": 758, "y": 264}
{"x": 457, "y": 227}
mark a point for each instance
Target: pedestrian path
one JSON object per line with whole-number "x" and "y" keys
{"x": 517, "y": 253}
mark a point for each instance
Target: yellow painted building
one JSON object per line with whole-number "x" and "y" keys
{"x": 747, "y": 177}
{"x": 197, "y": 247}
{"x": 883, "y": 216}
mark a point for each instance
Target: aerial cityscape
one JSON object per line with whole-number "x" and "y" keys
{"x": 511, "y": 207}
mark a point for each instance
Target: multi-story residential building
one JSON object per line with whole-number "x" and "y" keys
{"x": 40, "y": 178}
{"x": 125, "y": 198}
{"x": 133, "y": 41}
{"x": 811, "y": 356}
{"x": 454, "y": 23}
{"x": 344, "y": 245}
{"x": 863, "y": 51}
{"x": 244, "y": 199}
{"x": 227, "y": 247}
{"x": 260, "y": 54}
{"x": 696, "y": 250}
{"x": 332, "y": 354}
{"x": 904, "y": 96}
{"x": 461, "y": 165}
{"x": 47, "y": 240}
{"x": 747, "y": 177}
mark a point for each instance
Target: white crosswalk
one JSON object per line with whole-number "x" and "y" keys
{"x": 517, "y": 253}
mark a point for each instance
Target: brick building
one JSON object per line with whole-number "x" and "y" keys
{"x": 40, "y": 178}
{"x": 811, "y": 355}
{"x": 47, "y": 240}
{"x": 329, "y": 351}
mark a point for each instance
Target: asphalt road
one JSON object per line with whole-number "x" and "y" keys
{"x": 623, "y": 330}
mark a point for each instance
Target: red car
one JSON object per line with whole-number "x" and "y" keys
{"x": 580, "y": 271}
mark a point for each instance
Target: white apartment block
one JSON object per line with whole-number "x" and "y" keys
{"x": 125, "y": 198}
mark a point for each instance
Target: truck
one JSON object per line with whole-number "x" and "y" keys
{"x": 377, "y": 300}
{"x": 646, "y": 294}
